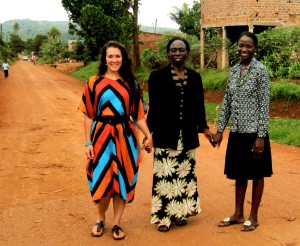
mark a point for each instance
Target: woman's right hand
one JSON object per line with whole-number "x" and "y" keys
{"x": 89, "y": 151}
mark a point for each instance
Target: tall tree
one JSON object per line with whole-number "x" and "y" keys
{"x": 187, "y": 18}
{"x": 99, "y": 21}
{"x": 136, "y": 50}
{"x": 16, "y": 28}
{"x": 54, "y": 33}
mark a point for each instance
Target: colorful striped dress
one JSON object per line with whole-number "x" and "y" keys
{"x": 114, "y": 169}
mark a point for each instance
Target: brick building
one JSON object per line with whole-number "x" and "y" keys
{"x": 236, "y": 16}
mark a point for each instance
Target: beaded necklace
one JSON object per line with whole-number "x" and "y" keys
{"x": 242, "y": 79}
{"x": 178, "y": 81}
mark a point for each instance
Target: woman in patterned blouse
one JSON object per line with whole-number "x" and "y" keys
{"x": 248, "y": 154}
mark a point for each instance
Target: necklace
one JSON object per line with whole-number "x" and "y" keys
{"x": 242, "y": 79}
{"x": 179, "y": 81}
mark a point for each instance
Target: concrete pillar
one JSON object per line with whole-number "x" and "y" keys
{"x": 202, "y": 48}
{"x": 224, "y": 48}
{"x": 251, "y": 28}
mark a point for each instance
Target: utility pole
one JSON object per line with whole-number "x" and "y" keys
{"x": 155, "y": 25}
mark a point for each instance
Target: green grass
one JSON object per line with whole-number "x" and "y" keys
{"x": 86, "y": 72}
{"x": 285, "y": 91}
{"x": 214, "y": 79}
{"x": 285, "y": 131}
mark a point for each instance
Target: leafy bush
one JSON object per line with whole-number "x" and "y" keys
{"x": 142, "y": 75}
{"x": 294, "y": 70}
{"x": 279, "y": 50}
{"x": 149, "y": 59}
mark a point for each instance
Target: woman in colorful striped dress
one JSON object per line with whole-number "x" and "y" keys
{"x": 112, "y": 107}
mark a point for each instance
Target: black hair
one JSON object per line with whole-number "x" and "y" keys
{"x": 250, "y": 35}
{"x": 187, "y": 45}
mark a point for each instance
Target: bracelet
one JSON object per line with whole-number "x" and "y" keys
{"x": 88, "y": 143}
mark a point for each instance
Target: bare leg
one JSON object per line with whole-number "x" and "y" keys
{"x": 238, "y": 215}
{"x": 257, "y": 191}
{"x": 119, "y": 206}
{"x": 240, "y": 192}
{"x": 102, "y": 207}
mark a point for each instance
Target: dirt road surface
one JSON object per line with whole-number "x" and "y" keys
{"x": 44, "y": 192}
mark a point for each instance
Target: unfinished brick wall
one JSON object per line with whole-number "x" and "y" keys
{"x": 148, "y": 40}
{"x": 218, "y": 13}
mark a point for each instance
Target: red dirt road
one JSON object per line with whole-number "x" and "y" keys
{"x": 44, "y": 192}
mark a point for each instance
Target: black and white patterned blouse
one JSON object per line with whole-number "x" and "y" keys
{"x": 246, "y": 100}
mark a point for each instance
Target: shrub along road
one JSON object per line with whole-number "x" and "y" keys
{"x": 44, "y": 193}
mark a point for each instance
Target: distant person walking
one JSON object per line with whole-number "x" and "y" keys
{"x": 5, "y": 67}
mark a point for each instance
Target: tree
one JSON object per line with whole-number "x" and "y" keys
{"x": 16, "y": 27}
{"x": 54, "y": 33}
{"x": 136, "y": 50}
{"x": 54, "y": 48}
{"x": 16, "y": 44}
{"x": 99, "y": 21}
{"x": 34, "y": 45}
{"x": 187, "y": 18}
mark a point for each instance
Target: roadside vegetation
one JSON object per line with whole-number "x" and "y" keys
{"x": 282, "y": 130}
{"x": 96, "y": 23}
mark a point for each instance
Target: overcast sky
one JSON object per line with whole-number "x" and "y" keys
{"x": 52, "y": 10}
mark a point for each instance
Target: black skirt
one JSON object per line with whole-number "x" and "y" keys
{"x": 240, "y": 162}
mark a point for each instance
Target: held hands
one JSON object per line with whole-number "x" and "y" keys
{"x": 209, "y": 135}
{"x": 147, "y": 143}
{"x": 217, "y": 139}
{"x": 214, "y": 139}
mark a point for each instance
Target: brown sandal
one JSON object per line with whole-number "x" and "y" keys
{"x": 116, "y": 229}
{"x": 100, "y": 228}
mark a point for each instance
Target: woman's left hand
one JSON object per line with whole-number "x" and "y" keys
{"x": 258, "y": 147}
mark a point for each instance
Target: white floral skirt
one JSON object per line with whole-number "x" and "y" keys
{"x": 174, "y": 191}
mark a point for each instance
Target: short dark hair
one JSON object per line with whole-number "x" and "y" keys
{"x": 250, "y": 35}
{"x": 187, "y": 45}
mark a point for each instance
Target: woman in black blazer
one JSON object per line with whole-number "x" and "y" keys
{"x": 176, "y": 115}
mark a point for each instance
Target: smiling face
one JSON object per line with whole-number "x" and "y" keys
{"x": 113, "y": 59}
{"x": 246, "y": 48}
{"x": 178, "y": 53}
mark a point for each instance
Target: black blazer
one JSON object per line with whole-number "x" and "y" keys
{"x": 164, "y": 109}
